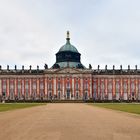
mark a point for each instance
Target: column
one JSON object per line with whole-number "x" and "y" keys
{"x": 81, "y": 94}
{"x": 90, "y": 87}
{"x": 114, "y": 87}
{"x": 98, "y": 86}
{"x": 106, "y": 87}
{"x": 128, "y": 87}
{"x": 63, "y": 86}
{"x": 54, "y": 85}
{"x": 136, "y": 87}
{"x": 23, "y": 86}
{"x": 73, "y": 92}
{"x": 15, "y": 86}
{"x": 121, "y": 88}
{"x": 30, "y": 87}
{"x": 37, "y": 80}
{"x": 7, "y": 86}
{"x": 45, "y": 87}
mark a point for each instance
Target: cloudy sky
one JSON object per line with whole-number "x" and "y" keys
{"x": 103, "y": 31}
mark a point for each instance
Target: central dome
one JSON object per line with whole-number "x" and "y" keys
{"x": 68, "y": 47}
{"x": 68, "y": 56}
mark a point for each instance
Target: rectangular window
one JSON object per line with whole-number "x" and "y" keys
{"x": 110, "y": 87}
{"x": 86, "y": 86}
{"x": 34, "y": 85}
{"x": 41, "y": 85}
{"x": 41, "y": 89}
{"x": 132, "y": 87}
{"x": 19, "y": 89}
{"x": 125, "y": 87}
{"x": 77, "y": 86}
{"x": 19, "y": 85}
{"x": 12, "y": 86}
{"x": 4, "y": 87}
{"x": 117, "y": 87}
{"x": 68, "y": 85}
{"x": 11, "y": 90}
{"x": 58, "y": 85}
{"x": 102, "y": 87}
{"x": 26, "y": 85}
{"x": 50, "y": 86}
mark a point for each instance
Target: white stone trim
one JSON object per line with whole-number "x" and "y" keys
{"x": 73, "y": 86}
{"x": 54, "y": 85}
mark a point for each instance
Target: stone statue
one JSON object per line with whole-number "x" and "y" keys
{"x": 15, "y": 67}
{"x": 98, "y": 67}
{"x": 105, "y": 67}
{"x": 90, "y": 67}
{"x": 113, "y": 67}
{"x": 46, "y": 66}
{"x": 121, "y": 67}
{"x": 30, "y": 67}
{"x": 7, "y": 67}
{"x": 136, "y": 67}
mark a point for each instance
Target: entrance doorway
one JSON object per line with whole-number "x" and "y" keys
{"x": 85, "y": 97}
{"x": 68, "y": 94}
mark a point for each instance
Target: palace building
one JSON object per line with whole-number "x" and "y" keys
{"x": 69, "y": 79}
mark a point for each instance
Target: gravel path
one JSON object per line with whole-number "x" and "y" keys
{"x": 68, "y": 122}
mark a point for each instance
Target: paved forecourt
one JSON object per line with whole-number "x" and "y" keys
{"x": 68, "y": 121}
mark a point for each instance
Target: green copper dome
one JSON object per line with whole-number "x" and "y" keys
{"x": 68, "y": 56}
{"x": 68, "y": 47}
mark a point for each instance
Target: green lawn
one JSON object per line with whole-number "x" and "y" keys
{"x": 13, "y": 106}
{"x": 131, "y": 108}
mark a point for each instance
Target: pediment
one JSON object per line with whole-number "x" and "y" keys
{"x": 68, "y": 70}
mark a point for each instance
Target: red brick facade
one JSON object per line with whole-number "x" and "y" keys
{"x": 69, "y": 84}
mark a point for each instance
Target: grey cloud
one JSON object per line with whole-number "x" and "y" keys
{"x": 104, "y": 32}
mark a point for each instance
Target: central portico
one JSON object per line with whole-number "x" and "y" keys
{"x": 69, "y": 83}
